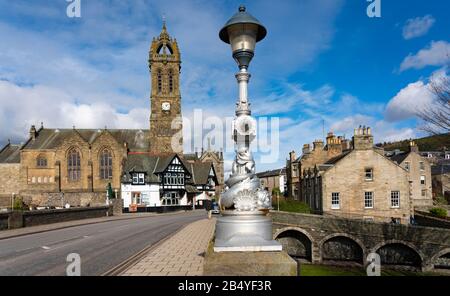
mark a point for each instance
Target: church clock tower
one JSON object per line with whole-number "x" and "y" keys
{"x": 166, "y": 130}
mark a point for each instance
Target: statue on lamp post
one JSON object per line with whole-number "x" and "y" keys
{"x": 244, "y": 225}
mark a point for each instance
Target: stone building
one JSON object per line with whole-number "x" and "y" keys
{"x": 359, "y": 183}
{"x": 273, "y": 179}
{"x": 440, "y": 174}
{"x": 319, "y": 154}
{"x": 77, "y": 165}
{"x": 419, "y": 174}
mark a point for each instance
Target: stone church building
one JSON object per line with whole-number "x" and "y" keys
{"x": 58, "y": 166}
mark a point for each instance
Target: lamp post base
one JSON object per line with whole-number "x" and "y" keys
{"x": 245, "y": 232}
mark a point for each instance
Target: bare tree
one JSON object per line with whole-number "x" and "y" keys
{"x": 436, "y": 116}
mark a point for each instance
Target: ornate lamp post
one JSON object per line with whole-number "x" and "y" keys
{"x": 244, "y": 225}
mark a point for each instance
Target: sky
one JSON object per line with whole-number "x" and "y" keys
{"x": 324, "y": 66}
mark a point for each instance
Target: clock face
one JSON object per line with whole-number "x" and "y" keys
{"x": 165, "y": 106}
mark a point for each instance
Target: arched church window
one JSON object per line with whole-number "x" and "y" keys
{"x": 74, "y": 165}
{"x": 159, "y": 77}
{"x": 170, "y": 81}
{"x": 106, "y": 165}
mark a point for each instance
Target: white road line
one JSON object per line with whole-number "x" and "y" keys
{"x": 45, "y": 248}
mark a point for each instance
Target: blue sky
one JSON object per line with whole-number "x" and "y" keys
{"x": 322, "y": 61}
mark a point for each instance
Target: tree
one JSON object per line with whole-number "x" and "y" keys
{"x": 110, "y": 191}
{"x": 436, "y": 116}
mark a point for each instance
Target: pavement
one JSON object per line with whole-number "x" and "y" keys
{"x": 180, "y": 255}
{"x": 101, "y": 245}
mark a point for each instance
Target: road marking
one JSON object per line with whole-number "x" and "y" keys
{"x": 45, "y": 248}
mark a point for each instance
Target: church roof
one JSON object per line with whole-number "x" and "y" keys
{"x": 10, "y": 154}
{"x": 137, "y": 140}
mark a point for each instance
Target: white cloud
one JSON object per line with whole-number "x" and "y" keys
{"x": 23, "y": 106}
{"x": 418, "y": 26}
{"x": 437, "y": 54}
{"x": 347, "y": 124}
{"x": 408, "y": 101}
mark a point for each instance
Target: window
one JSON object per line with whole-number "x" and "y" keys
{"x": 407, "y": 167}
{"x": 106, "y": 165}
{"x": 138, "y": 179}
{"x": 395, "y": 199}
{"x": 170, "y": 81}
{"x": 368, "y": 200}
{"x": 424, "y": 192}
{"x": 74, "y": 165}
{"x": 171, "y": 199}
{"x": 159, "y": 78}
{"x": 369, "y": 174}
{"x": 422, "y": 166}
{"x": 447, "y": 156}
{"x": 136, "y": 198}
{"x": 422, "y": 180}
{"x": 335, "y": 202}
{"x": 41, "y": 162}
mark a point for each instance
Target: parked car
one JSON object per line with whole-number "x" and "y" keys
{"x": 215, "y": 208}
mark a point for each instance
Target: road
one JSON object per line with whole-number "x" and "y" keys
{"x": 101, "y": 246}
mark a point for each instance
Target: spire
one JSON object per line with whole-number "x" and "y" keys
{"x": 164, "y": 34}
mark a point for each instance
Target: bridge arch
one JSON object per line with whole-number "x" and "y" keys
{"x": 441, "y": 260}
{"x": 296, "y": 241}
{"x": 342, "y": 247}
{"x": 399, "y": 253}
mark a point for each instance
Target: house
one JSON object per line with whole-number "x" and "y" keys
{"x": 156, "y": 180}
{"x": 273, "y": 179}
{"x": 419, "y": 173}
{"x": 359, "y": 183}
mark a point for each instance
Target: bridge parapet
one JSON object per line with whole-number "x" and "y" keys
{"x": 335, "y": 239}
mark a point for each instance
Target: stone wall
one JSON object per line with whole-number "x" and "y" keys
{"x": 58, "y": 199}
{"x": 16, "y": 219}
{"x": 9, "y": 179}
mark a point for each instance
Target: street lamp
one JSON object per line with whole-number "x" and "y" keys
{"x": 244, "y": 225}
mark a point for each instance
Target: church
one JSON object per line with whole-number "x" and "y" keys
{"x": 144, "y": 167}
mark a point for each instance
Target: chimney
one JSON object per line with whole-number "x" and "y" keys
{"x": 363, "y": 139}
{"x": 33, "y": 132}
{"x": 306, "y": 149}
{"x": 318, "y": 145}
{"x": 413, "y": 146}
{"x": 292, "y": 156}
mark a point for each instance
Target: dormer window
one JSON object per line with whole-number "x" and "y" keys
{"x": 138, "y": 178}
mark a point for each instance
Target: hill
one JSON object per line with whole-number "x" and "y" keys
{"x": 431, "y": 143}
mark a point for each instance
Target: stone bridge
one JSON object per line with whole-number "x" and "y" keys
{"x": 331, "y": 240}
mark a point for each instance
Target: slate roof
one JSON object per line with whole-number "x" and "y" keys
{"x": 200, "y": 172}
{"x": 272, "y": 173}
{"x": 399, "y": 158}
{"x": 138, "y": 140}
{"x": 335, "y": 159}
{"x": 10, "y": 154}
{"x": 154, "y": 164}
{"x": 440, "y": 169}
